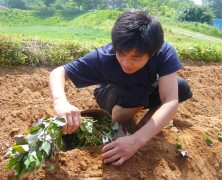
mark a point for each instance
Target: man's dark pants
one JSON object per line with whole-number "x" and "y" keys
{"x": 134, "y": 96}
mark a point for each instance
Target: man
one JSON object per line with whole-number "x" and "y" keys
{"x": 136, "y": 71}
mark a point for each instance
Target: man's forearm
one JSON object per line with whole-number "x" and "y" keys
{"x": 57, "y": 84}
{"x": 154, "y": 125}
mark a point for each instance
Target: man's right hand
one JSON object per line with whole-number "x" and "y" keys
{"x": 70, "y": 113}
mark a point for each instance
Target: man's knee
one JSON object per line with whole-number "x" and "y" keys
{"x": 121, "y": 114}
{"x": 184, "y": 90}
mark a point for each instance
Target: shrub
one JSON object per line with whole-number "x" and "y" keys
{"x": 24, "y": 50}
{"x": 197, "y": 14}
{"x": 198, "y": 52}
{"x": 17, "y": 50}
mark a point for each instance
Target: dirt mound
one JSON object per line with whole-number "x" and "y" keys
{"x": 25, "y": 98}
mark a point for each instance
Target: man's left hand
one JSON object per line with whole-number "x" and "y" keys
{"x": 118, "y": 151}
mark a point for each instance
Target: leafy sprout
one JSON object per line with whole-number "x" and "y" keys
{"x": 178, "y": 145}
{"x": 220, "y": 136}
{"x": 182, "y": 153}
{"x": 45, "y": 139}
{"x": 42, "y": 140}
{"x": 208, "y": 140}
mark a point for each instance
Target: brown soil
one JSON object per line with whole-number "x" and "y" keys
{"x": 25, "y": 98}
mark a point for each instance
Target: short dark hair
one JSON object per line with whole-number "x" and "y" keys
{"x": 136, "y": 29}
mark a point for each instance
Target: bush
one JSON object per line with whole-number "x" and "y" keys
{"x": 17, "y": 50}
{"x": 196, "y": 52}
{"x": 20, "y": 50}
{"x": 197, "y": 14}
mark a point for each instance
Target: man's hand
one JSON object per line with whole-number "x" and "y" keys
{"x": 118, "y": 151}
{"x": 70, "y": 113}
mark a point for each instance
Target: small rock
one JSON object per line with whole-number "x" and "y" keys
{"x": 83, "y": 165}
{"x": 174, "y": 130}
{"x": 14, "y": 131}
{"x": 2, "y": 117}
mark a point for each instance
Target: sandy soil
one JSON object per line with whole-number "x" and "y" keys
{"x": 24, "y": 98}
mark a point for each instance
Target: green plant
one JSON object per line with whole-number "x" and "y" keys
{"x": 182, "y": 153}
{"x": 93, "y": 131}
{"x": 220, "y": 136}
{"x": 178, "y": 145}
{"x": 44, "y": 140}
{"x": 208, "y": 140}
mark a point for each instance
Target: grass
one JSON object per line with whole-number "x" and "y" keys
{"x": 59, "y": 33}
{"x": 193, "y": 26}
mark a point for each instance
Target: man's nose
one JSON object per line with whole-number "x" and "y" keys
{"x": 125, "y": 61}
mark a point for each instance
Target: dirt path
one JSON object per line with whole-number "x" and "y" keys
{"x": 24, "y": 98}
{"x": 195, "y": 35}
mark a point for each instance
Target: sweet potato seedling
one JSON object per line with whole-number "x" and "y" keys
{"x": 208, "y": 140}
{"x": 180, "y": 151}
{"x": 45, "y": 139}
{"x": 220, "y": 136}
{"x": 178, "y": 145}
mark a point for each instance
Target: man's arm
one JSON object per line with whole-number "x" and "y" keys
{"x": 123, "y": 148}
{"x": 168, "y": 91}
{"x": 62, "y": 107}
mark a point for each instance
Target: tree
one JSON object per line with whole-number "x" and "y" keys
{"x": 78, "y": 3}
{"x": 92, "y": 4}
{"x": 196, "y": 13}
{"x": 48, "y": 2}
{"x": 216, "y": 5}
{"x": 118, "y": 4}
{"x": 2, "y": 2}
{"x": 19, "y": 4}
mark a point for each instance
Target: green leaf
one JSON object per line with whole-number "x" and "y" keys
{"x": 59, "y": 142}
{"x": 34, "y": 135}
{"x": 59, "y": 121}
{"x": 220, "y": 135}
{"x": 11, "y": 163}
{"x": 51, "y": 128}
{"x": 20, "y": 139}
{"x": 83, "y": 127}
{"x": 35, "y": 128}
{"x": 21, "y": 148}
{"x": 20, "y": 169}
{"x": 208, "y": 140}
{"x": 178, "y": 145}
{"x": 46, "y": 117}
{"x": 37, "y": 163}
{"x": 87, "y": 125}
{"x": 34, "y": 146}
{"x": 46, "y": 146}
{"x": 48, "y": 138}
{"x": 40, "y": 156}
{"x": 28, "y": 161}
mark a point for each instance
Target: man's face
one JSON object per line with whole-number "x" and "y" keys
{"x": 131, "y": 62}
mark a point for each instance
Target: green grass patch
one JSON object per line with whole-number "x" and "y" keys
{"x": 57, "y": 32}
{"x": 193, "y": 26}
{"x": 16, "y": 17}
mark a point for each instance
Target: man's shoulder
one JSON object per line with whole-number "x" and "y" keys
{"x": 99, "y": 55}
{"x": 107, "y": 49}
{"x": 166, "y": 47}
{"x": 165, "y": 51}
